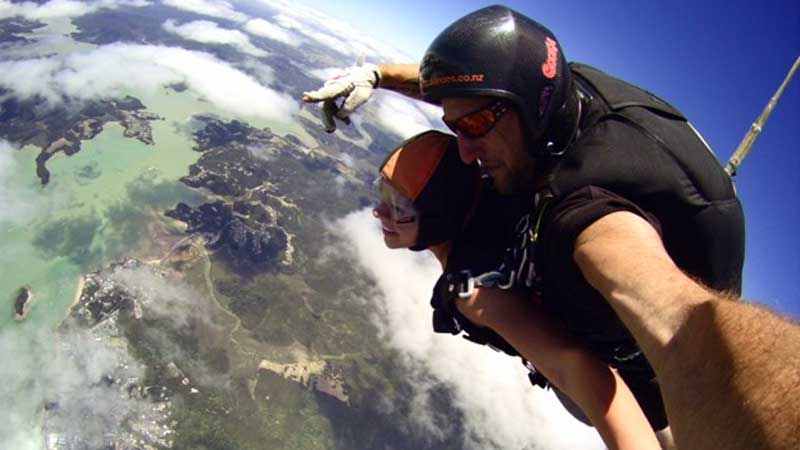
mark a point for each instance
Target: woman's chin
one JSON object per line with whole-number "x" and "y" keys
{"x": 390, "y": 240}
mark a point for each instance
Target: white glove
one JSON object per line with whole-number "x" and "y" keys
{"x": 355, "y": 84}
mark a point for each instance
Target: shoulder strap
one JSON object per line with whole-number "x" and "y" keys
{"x": 619, "y": 94}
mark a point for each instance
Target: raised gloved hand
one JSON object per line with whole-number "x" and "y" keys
{"x": 355, "y": 84}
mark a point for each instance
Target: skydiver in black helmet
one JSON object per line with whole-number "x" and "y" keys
{"x": 634, "y": 229}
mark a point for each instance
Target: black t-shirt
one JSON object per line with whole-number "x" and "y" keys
{"x": 587, "y": 315}
{"x": 567, "y": 294}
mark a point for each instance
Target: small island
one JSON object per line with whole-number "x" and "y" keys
{"x": 24, "y": 298}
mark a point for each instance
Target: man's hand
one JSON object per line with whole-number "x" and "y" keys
{"x": 355, "y": 84}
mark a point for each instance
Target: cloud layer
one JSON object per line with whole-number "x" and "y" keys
{"x": 18, "y": 204}
{"x": 501, "y": 410}
{"x": 264, "y": 28}
{"x": 333, "y": 33}
{"x": 210, "y": 33}
{"x": 211, "y": 8}
{"x": 67, "y": 370}
{"x": 176, "y": 302}
{"x": 403, "y": 116}
{"x": 110, "y": 70}
{"x": 55, "y": 9}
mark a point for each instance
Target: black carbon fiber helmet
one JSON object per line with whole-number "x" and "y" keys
{"x": 499, "y": 52}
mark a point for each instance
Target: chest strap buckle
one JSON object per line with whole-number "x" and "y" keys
{"x": 462, "y": 284}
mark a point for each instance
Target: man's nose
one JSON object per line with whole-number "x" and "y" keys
{"x": 468, "y": 149}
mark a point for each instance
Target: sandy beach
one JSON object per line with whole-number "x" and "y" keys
{"x": 81, "y": 283}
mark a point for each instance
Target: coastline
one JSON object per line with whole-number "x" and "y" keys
{"x": 77, "y": 298}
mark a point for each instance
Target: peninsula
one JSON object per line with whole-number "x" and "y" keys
{"x": 63, "y": 128}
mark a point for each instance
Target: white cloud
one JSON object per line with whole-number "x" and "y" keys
{"x": 49, "y": 10}
{"x": 501, "y": 410}
{"x": 325, "y": 73}
{"x": 8, "y": 206}
{"x": 333, "y": 33}
{"x": 65, "y": 369}
{"x": 261, "y": 152}
{"x": 312, "y": 31}
{"x": 161, "y": 297}
{"x": 402, "y": 115}
{"x": 110, "y": 70}
{"x": 263, "y": 28}
{"x": 211, "y": 8}
{"x": 264, "y": 73}
{"x": 18, "y": 204}
{"x": 60, "y": 8}
{"x": 173, "y": 300}
{"x": 210, "y": 33}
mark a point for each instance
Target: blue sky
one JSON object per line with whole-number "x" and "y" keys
{"x": 717, "y": 61}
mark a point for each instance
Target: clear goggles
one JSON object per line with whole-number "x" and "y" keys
{"x": 393, "y": 204}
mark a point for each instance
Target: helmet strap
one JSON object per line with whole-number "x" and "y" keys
{"x": 564, "y": 127}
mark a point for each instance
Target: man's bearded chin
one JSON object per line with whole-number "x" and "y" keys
{"x": 522, "y": 178}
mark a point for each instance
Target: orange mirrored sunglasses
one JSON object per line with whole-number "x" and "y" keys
{"x": 478, "y": 123}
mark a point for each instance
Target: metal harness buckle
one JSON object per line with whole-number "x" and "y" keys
{"x": 463, "y": 283}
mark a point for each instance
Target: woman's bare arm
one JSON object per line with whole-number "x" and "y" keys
{"x": 599, "y": 391}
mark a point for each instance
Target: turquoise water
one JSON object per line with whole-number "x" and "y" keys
{"x": 82, "y": 218}
{"x": 96, "y": 208}
{"x": 86, "y": 206}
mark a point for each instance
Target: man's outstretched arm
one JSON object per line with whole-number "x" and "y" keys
{"x": 345, "y": 92}
{"x": 401, "y": 78}
{"x": 729, "y": 371}
{"x": 354, "y": 85}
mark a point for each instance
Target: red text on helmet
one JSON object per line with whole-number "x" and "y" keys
{"x": 550, "y": 67}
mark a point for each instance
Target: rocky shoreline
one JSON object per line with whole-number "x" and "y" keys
{"x": 62, "y": 130}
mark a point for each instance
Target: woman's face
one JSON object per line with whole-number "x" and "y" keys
{"x": 398, "y": 218}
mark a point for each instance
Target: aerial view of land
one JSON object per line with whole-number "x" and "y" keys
{"x": 216, "y": 308}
